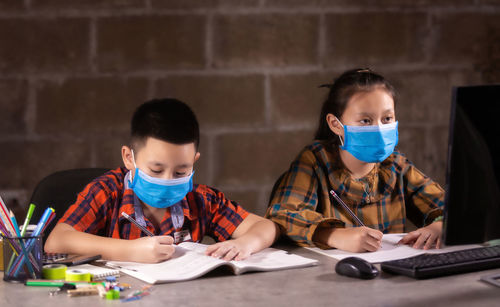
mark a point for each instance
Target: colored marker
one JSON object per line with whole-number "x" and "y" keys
{"x": 51, "y": 283}
{"x": 31, "y": 209}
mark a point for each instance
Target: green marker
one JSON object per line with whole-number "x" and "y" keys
{"x": 27, "y": 219}
{"x": 51, "y": 283}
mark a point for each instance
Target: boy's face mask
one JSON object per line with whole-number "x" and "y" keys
{"x": 370, "y": 143}
{"x": 157, "y": 192}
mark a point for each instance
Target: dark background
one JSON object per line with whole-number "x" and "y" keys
{"x": 72, "y": 72}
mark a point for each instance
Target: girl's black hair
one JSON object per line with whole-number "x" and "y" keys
{"x": 343, "y": 88}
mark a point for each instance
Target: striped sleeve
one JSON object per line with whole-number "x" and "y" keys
{"x": 294, "y": 203}
{"x": 225, "y": 215}
{"x": 88, "y": 213}
{"x": 425, "y": 198}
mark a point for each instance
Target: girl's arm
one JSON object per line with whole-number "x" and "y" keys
{"x": 426, "y": 237}
{"x": 427, "y": 197}
{"x": 355, "y": 239}
{"x": 294, "y": 202}
{"x": 294, "y": 207}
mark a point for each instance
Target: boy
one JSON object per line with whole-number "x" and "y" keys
{"x": 155, "y": 188}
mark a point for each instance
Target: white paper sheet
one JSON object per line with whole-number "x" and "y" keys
{"x": 389, "y": 250}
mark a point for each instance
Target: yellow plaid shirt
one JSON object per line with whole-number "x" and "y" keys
{"x": 393, "y": 190}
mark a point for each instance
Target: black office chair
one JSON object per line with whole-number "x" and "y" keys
{"x": 59, "y": 191}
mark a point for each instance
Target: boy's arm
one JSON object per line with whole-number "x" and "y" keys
{"x": 65, "y": 239}
{"x": 252, "y": 235}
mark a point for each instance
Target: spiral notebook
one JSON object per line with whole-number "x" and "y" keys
{"x": 97, "y": 272}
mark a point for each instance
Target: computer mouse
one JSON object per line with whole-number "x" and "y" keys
{"x": 356, "y": 267}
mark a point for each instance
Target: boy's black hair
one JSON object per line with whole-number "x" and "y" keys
{"x": 343, "y": 88}
{"x": 167, "y": 119}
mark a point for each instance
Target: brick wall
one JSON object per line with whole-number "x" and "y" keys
{"x": 71, "y": 73}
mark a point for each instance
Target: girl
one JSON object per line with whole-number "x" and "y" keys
{"x": 354, "y": 156}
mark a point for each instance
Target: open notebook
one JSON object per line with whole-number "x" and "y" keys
{"x": 390, "y": 250}
{"x": 190, "y": 262}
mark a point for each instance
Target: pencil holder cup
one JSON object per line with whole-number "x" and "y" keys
{"x": 22, "y": 258}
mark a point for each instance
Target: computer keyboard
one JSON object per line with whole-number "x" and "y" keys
{"x": 50, "y": 258}
{"x": 435, "y": 265}
{"x": 67, "y": 259}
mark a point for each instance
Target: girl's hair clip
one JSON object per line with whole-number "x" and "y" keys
{"x": 363, "y": 70}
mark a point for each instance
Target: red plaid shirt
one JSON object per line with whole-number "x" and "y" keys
{"x": 99, "y": 206}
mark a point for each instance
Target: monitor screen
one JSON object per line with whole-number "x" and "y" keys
{"x": 472, "y": 199}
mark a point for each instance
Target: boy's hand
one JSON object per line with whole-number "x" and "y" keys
{"x": 229, "y": 250}
{"x": 357, "y": 239}
{"x": 151, "y": 249}
{"x": 426, "y": 237}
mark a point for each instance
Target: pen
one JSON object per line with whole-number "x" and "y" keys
{"x": 340, "y": 201}
{"x": 125, "y": 215}
{"x": 51, "y": 283}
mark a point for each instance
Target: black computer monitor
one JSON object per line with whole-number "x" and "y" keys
{"x": 472, "y": 199}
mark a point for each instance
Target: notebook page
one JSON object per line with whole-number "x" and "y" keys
{"x": 268, "y": 259}
{"x": 195, "y": 247}
{"x": 389, "y": 250}
{"x": 271, "y": 259}
{"x": 184, "y": 265}
{"x": 189, "y": 261}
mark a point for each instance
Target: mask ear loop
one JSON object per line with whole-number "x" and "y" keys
{"x": 131, "y": 179}
{"x": 341, "y": 141}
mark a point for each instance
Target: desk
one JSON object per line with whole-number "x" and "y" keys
{"x": 313, "y": 286}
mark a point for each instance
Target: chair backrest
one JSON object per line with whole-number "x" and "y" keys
{"x": 59, "y": 190}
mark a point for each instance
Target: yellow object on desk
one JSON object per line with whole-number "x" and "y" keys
{"x": 54, "y": 271}
{"x": 1, "y": 254}
{"x": 78, "y": 275}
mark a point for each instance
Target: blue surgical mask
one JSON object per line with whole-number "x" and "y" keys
{"x": 157, "y": 192}
{"x": 370, "y": 143}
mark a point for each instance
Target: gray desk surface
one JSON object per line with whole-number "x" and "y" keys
{"x": 313, "y": 286}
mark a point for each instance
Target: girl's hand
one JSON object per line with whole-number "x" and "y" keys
{"x": 357, "y": 239}
{"x": 426, "y": 237}
{"x": 229, "y": 250}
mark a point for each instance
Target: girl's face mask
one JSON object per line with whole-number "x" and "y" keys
{"x": 370, "y": 143}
